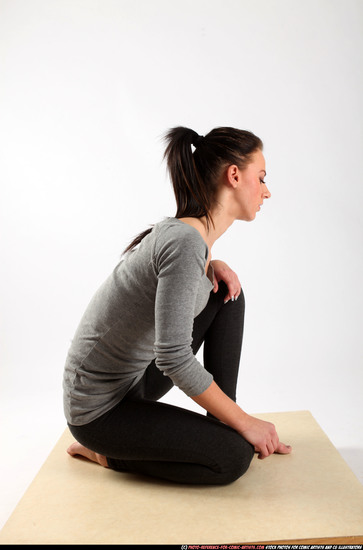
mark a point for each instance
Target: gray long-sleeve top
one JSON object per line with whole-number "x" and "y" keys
{"x": 143, "y": 311}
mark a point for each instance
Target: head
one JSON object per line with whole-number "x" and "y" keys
{"x": 246, "y": 188}
{"x": 225, "y": 166}
{"x": 226, "y": 160}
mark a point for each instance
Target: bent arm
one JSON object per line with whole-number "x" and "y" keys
{"x": 222, "y": 272}
{"x": 217, "y": 403}
{"x": 180, "y": 263}
{"x": 262, "y": 435}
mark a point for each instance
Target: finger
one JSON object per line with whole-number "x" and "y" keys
{"x": 275, "y": 442}
{"x": 283, "y": 449}
{"x": 263, "y": 452}
{"x": 270, "y": 448}
{"x": 232, "y": 295}
{"x": 231, "y": 290}
{"x": 215, "y": 289}
{"x": 227, "y": 298}
{"x": 258, "y": 450}
{"x": 236, "y": 292}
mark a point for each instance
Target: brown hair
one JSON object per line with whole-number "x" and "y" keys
{"x": 195, "y": 175}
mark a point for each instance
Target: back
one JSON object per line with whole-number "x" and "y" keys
{"x": 143, "y": 311}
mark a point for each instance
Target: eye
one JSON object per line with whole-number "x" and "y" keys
{"x": 262, "y": 181}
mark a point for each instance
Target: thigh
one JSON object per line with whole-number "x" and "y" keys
{"x": 142, "y": 430}
{"x": 153, "y": 385}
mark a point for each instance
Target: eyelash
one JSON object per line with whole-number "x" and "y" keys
{"x": 262, "y": 181}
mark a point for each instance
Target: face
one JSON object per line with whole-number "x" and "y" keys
{"x": 251, "y": 189}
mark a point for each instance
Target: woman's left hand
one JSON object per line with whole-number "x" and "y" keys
{"x": 222, "y": 272}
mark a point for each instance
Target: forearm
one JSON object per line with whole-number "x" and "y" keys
{"x": 262, "y": 435}
{"x": 217, "y": 403}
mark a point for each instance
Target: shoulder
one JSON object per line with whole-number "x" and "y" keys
{"x": 179, "y": 234}
{"x": 178, "y": 241}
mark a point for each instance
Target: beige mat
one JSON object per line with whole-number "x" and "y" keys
{"x": 310, "y": 495}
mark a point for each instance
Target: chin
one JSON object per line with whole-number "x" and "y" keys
{"x": 247, "y": 219}
{"x": 247, "y": 216}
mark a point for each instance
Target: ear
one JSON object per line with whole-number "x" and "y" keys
{"x": 232, "y": 175}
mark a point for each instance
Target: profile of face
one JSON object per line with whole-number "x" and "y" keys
{"x": 249, "y": 187}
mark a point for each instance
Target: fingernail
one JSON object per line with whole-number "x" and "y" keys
{"x": 232, "y": 298}
{"x": 226, "y": 301}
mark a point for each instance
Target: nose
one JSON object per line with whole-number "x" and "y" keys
{"x": 266, "y": 193}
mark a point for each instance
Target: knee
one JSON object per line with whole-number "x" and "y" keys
{"x": 241, "y": 299}
{"x": 240, "y": 303}
{"x": 243, "y": 458}
{"x": 223, "y": 291}
{"x": 238, "y": 457}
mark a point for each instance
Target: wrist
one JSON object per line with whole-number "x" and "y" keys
{"x": 241, "y": 421}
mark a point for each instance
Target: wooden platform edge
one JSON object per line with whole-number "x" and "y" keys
{"x": 354, "y": 539}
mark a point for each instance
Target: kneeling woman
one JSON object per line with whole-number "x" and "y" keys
{"x": 143, "y": 327}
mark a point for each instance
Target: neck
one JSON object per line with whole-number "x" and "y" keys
{"x": 221, "y": 222}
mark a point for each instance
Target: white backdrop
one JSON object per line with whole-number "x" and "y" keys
{"x": 87, "y": 89}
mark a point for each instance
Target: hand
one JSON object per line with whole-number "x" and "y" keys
{"x": 224, "y": 273}
{"x": 263, "y": 436}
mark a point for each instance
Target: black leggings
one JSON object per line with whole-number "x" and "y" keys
{"x": 142, "y": 435}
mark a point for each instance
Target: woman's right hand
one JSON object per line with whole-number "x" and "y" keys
{"x": 263, "y": 436}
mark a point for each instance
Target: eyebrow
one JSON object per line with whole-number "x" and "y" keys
{"x": 264, "y": 171}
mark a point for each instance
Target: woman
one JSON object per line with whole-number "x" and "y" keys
{"x": 142, "y": 329}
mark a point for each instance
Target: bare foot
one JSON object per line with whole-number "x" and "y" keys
{"x": 78, "y": 449}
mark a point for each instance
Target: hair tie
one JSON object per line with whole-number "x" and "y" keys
{"x": 197, "y": 140}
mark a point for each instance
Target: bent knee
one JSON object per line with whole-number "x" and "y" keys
{"x": 238, "y": 457}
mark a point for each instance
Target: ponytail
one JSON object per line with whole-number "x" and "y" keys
{"x": 195, "y": 175}
{"x": 137, "y": 240}
{"x": 192, "y": 192}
